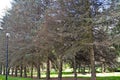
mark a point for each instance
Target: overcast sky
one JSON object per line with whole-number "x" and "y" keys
{"x": 4, "y": 4}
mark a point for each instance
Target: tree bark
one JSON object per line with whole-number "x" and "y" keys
{"x": 8, "y": 71}
{"x": 38, "y": 71}
{"x": 25, "y": 72}
{"x": 89, "y": 68}
{"x": 103, "y": 67}
{"x": 0, "y": 68}
{"x": 48, "y": 70}
{"x": 31, "y": 71}
{"x": 12, "y": 71}
{"x": 92, "y": 61}
{"x": 79, "y": 69}
{"x": 15, "y": 71}
{"x": 21, "y": 70}
{"x": 84, "y": 69}
{"x": 3, "y": 70}
{"x": 75, "y": 67}
{"x": 60, "y": 69}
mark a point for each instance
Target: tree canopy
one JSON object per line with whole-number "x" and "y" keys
{"x": 59, "y": 30}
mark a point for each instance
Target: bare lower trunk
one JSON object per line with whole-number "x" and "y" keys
{"x": 103, "y": 67}
{"x": 79, "y": 69}
{"x": 12, "y": 71}
{"x": 89, "y": 68}
{"x": 3, "y": 70}
{"x": 8, "y": 71}
{"x": 0, "y": 68}
{"x": 15, "y": 71}
{"x": 32, "y": 71}
{"x": 38, "y": 71}
{"x": 21, "y": 69}
{"x": 84, "y": 69}
{"x": 75, "y": 67}
{"x": 92, "y": 61}
{"x": 48, "y": 70}
{"x": 60, "y": 69}
{"x": 25, "y": 72}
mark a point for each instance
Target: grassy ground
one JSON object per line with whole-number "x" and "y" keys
{"x": 100, "y": 76}
{"x": 109, "y": 78}
{"x": 81, "y": 78}
{"x": 14, "y": 78}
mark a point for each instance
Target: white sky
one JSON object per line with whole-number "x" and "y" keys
{"x": 4, "y": 4}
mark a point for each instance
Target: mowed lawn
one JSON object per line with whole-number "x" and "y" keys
{"x": 101, "y": 76}
{"x": 82, "y": 78}
{"x": 109, "y": 78}
{"x": 14, "y": 78}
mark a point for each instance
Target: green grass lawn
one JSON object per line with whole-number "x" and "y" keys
{"x": 109, "y": 78}
{"x": 98, "y": 78}
{"x": 14, "y": 78}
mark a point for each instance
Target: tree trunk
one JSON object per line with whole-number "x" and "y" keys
{"x": 79, "y": 69}
{"x": 3, "y": 70}
{"x": 8, "y": 71}
{"x": 15, "y": 71}
{"x": 25, "y": 72}
{"x": 32, "y": 71}
{"x": 12, "y": 71}
{"x": 75, "y": 67}
{"x": 48, "y": 70}
{"x": 60, "y": 69}
{"x": 92, "y": 61}
{"x": 38, "y": 71}
{"x": 21, "y": 70}
{"x": 89, "y": 68}
{"x": 103, "y": 67}
{"x": 0, "y": 68}
{"x": 84, "y": 69}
